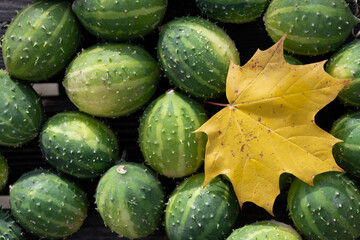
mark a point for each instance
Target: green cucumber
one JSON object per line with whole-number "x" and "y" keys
{"x": 9, "y": 230}
{"x": 111, "y": 80}
{"x": 78, "y": 144}
{"x": 201, "y": 213}
{"x": 328, "y": 210}
{"x": 48, "y": 205}
{"x": 121, "y": 19}
{"x": 41, "y": 40}
{"x": 265, "y": 230}
{"x": 292, "y": 60}
{"x": 313, "y": 27}
{"x": 130, "y": 200}
{"x": 4, "y": 172}
{"x": 166, "y": 136}
{"x": 21, "y": 112}
{"x": 232, "y": 11}
{"x": 344, "y": 64}
{"x": 195, "y": 55}
{"x": 347, "y": 152}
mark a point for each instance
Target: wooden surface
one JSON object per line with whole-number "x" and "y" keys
{"x": 248, "y": 38}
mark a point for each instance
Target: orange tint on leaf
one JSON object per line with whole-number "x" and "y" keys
{"x": 268, "y": 128}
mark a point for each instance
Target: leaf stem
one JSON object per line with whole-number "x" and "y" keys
{"x": 217, "y": 104}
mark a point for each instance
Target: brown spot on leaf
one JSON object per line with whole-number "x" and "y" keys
{"x": 220, "y": 132}
{"x": 242, "y": 148}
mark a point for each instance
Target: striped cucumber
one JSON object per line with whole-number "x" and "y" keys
{"x": 313, "y": 27}
{"x": 265, "y": 230}
{"x": 111, "y": 80}
{"x": 4, "y": 172}
{"x": 166, "y": 135}
{"x": 9, "y": 230}
{"x": 130, "y": 200}
{"x": 47, "y": 204}
{"x": 78, "y": 144}
{"x": 329, "y": 210}
{"x": 121, "y": 19}
{"x": 198, "y": 213}
{"x": 41, "y": 40}
{"x": 21, "y": 112}
{"x": 195, "y": 54}
{"x": 233, "y": 11}
{"x": 345, "y": 64}
{"x": 346, "y": 153}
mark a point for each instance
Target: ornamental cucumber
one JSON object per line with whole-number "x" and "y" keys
{"x": 120, "y": 19}
{"x": 195, "y": 55}
{"x": 313, "y": 27}
{"x": 47, "y": 204}
{"x": 265, "y": 230}
{"x": 130, "y": 200}
{"x": 346, "y": 153}
{"x": 21, "y": 112}
{"x": 9, "y": 230}
{"x": 344, "y": 64}
{"x": 78, "y": 144}
{"x": 166, "y": 135}
{"x": 329, "y": 210}
{"x": 197, "y": 212}
{"x": 234, "y": 11}
{"x": 111, "y": 80}
{"x": 41, "y": 40}
{"x": 4, "y": 172}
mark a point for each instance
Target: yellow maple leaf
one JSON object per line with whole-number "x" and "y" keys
{"x": 268, "y": 127}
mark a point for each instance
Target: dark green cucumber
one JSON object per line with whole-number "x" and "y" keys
{"x": 344, "y": 64}
{"x": 111, "y": 80}
{"x": 48, "y": 205}
{"x": 201, "y": 213}
{"x": 78, "y": 144}
{"x": 120, "y": 19}
{"x": 347, "y": 152}
{"x": 195, "y": 54}
{"x": 329, "y": 210}
{"x": 232, "y": 11}
{"x": 292, "y": 60}
{"x": 9, "y": 230}
{"x": 130, "y": 200}
{"x": 41, "y": 40}
{"x": 21, "y": 112}
{"x": 166, "y": 135}
{"x": 313, "y": 27}
{"x": 265, "y": 230}
{"x": 4, "y": 172}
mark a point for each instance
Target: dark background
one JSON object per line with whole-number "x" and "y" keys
{"x": 248, "y": 38}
